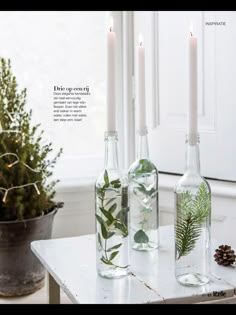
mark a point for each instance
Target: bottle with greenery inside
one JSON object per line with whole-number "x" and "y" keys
{"x": 111, "y": 206}
{"x": 143, "y": 196}
{"x": 192, "y": 221}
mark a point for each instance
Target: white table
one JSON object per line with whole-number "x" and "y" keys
{"x": 71, "y": 265}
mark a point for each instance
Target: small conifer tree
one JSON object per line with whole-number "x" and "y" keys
{"x": 24, "y": 164}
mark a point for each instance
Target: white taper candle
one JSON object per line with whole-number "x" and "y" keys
{"x": 111, "y": 79}
{"x": 193, "y": 100}
{"x": 141, "y": 85}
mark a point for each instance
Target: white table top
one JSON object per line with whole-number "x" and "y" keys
{"x": 72, "y": 263}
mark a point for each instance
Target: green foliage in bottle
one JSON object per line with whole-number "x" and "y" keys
{"x": 192, "y": 212}
{"x": 111, "y": 222}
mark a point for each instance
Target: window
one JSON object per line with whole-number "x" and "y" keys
{"x": 165, "y": 38}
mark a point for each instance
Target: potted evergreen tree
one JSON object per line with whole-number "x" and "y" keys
{"x": 27, "y": 206}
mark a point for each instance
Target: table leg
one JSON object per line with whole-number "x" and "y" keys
{"x": 54, "y": 291}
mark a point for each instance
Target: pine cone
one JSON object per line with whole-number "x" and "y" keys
{"x": 224, "y": 255}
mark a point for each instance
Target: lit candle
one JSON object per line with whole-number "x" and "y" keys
{"x": 111, "y": 82}
{"x": 193, "y": 111}
{"x": 141, "y": 85}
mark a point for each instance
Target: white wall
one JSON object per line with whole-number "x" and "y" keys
{"x": 64, "y": 49}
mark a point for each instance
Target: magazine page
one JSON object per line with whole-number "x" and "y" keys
{"x": 117, "y": 154}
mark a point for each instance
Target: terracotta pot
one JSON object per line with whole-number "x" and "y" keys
{"x": 21, "y": 273}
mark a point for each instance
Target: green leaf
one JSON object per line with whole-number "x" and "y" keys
{"x": 142, "y": 188}
{"x": 99, "y": 239}
{"x": 112, "y": 208}
{"x": 114, "y": 247}
{"x": 107, "y": 214}
{"x": 117, "y": 185}
{"x": 144, "y": 221}
{"x": 109, "y": 201}
{"x": 122, "y": 215}
{"x": 146, "y": 210}
{"x": 116, "y": 181}
{"x": 103, "y": 226}
{"x": 113, "y": 255}
{"x": 122, "y": 228}
{"x": 141, "y": 237}
{"x": 151, "y": 193}
{"x": 106, "y": 178}
{"x": 105, "y": 235}
{"x": 100, "y": 220}
{"x": 110, "y": 234}
{"x": 105, "y": 261}
{"x": 147, "y": 166}
{"x": 99, "y": 191}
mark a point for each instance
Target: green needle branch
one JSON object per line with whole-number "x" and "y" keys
{"x": 192, "y": 213}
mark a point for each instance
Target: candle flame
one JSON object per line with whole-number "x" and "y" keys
{"x": 191, "y": 28}
{"x": 111, "y": 24}
{"x": 140, "y": 39}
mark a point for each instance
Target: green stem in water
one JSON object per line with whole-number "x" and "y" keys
{"x": 109, "y": 262}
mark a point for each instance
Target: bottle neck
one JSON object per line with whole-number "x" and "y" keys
{"x": 143, "y": 150}
{"x": 111, "y": 150}
{"x": 192, "y": 157}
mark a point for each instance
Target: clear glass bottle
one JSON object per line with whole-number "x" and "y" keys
{"x": 111, "y": 203}
{"x": 143, "y": 199}
{"x": 192, "y": 221}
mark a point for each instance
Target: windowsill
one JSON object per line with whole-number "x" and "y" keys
{"x": 76, "y": 184}
{"x": 218, "y": 187}
{"x": 166, "y": 182}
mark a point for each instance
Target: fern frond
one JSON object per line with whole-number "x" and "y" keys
{"x": 187, "y": 233}
{"x": 201, "y": 204}
{"x": 191, "y": 214}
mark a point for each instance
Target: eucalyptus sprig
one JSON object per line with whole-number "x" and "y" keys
{"x": 141, "y": 236}
{"x": 192, "y": 212}
{"x": 109, "y": 222}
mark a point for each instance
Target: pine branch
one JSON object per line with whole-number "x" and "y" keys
{"x": 192, "y": 212}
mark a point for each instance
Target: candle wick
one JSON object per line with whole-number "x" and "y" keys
{"x": 191, "y": 34}
{"x": 110, "y": 29}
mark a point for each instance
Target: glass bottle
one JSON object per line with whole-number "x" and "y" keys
{"x": 192, "y": 221}
{"x": 143, "y": 199}
{"x": 111, "y": 203}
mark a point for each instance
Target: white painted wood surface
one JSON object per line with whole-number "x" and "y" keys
{"x": 72, "y": 263}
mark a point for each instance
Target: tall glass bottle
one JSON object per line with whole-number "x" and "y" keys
{"x": 192, "y": 221}
{"x": 143, "y": 199}
{"x": 111, "y": 203}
